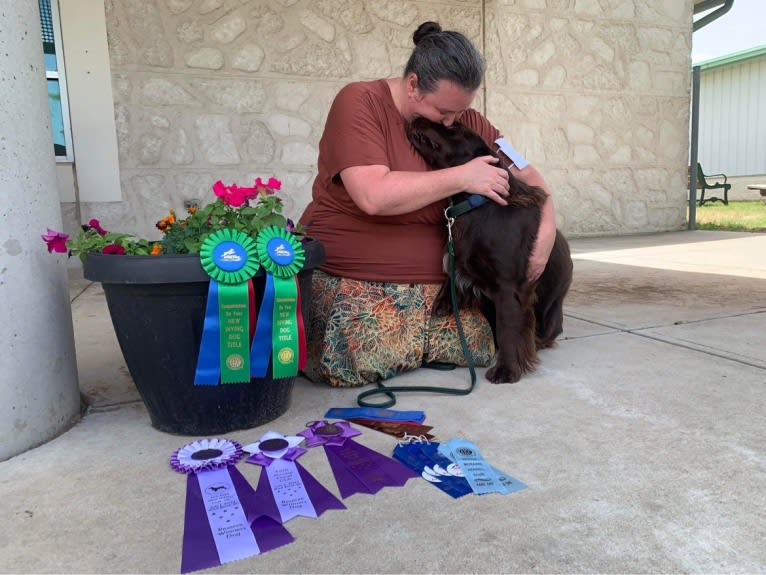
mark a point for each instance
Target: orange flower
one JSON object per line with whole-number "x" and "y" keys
{"x": 156, "y": 249}
{"x": 167, "y": 222}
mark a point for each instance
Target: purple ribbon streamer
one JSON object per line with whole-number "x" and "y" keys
{"x": 320, "y": 497}
{"x": 199, "y": 549}
{"x": 357, "y": 469}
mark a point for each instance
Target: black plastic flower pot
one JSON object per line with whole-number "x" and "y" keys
{"x": 157, "y": 306}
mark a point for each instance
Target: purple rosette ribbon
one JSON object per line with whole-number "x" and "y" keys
{"x": 220, "y": 524}
{"x": 357, "y": 469}
{"x": 285, "y": 489}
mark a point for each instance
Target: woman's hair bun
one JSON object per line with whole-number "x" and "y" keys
{"x": 424, "y": 30}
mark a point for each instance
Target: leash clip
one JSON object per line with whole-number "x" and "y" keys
{"x": 450, "y": 221}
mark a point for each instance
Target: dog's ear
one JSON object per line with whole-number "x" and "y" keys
{"x": 422, "y": 141}
{"x": 433, "y": 143}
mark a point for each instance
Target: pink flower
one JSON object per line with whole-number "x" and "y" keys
{"x": 232, "y": 195}
{"x": 56, "y": 241}
{"x": 114, "y": 249}
{"x": 95, "y": 225}
{"x": 270, "y": 187}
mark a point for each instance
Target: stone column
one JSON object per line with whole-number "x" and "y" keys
{"x": 39, "y": 395}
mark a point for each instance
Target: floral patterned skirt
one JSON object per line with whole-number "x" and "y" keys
{"x": 361, "y": 332}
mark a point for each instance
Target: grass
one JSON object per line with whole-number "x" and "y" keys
{"x": 740, "y": 216}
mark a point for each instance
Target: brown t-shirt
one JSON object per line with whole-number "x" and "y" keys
{"x": 364, "y": 128}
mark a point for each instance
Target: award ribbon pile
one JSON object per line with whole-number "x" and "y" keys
{"x": 456, "y": 467}
{"x": 226, "y": 519}
{"x": 232, "y": 258}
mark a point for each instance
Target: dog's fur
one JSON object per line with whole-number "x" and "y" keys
{"x": 492, "y": 245}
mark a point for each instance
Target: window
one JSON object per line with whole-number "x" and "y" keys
{"x": 54, "y": 73}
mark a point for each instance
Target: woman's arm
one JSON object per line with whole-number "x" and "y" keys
{"x": 546, "y": 234}
{"x": 378, "y": 191}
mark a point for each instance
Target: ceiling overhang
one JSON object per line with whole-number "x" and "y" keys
{"x": 714, "y": 9}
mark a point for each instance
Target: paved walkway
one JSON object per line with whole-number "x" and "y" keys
{"x": 642, "y": 439}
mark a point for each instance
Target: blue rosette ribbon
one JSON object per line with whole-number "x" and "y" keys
{"x": 279, "y": 333}
{"x": 230, "y": 259}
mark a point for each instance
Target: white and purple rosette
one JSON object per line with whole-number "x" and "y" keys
{"x": 273, "y": 445}
{"x": 206, "y": 454}
{"x": 285, "y": 489}
{"x": 220, "y": 525}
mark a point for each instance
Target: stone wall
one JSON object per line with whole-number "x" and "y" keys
{"x": 594, "y": 92}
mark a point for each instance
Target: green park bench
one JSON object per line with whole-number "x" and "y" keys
{"x": 711, "y": 182}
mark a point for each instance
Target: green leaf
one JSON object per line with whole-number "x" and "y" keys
{"x": 192, "y": 245}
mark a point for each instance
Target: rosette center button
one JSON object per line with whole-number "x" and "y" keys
{"x": 280, "y": 251}
{"x": 229, "y": 256}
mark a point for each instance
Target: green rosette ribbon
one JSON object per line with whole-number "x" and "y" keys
{"x": 279, "y": 333}
{"x": 230, "y": 259}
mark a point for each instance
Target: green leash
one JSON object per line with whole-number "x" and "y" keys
{"x": 389, "y": 391}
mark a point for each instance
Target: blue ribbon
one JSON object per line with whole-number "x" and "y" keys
{"x": 260, "y": 353}
{"x": 377, "y": 413}
{"x": 209, "y": 359}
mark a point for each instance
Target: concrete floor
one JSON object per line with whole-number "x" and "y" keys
{"x": 642, "y": 439}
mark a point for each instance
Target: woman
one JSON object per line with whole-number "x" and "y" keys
{"x": 379, "y": 212}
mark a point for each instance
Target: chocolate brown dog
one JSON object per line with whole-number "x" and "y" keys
{"x": 492, "y": 244}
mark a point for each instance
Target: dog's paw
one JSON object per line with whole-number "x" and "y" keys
{"x": 503, "y": 374}
{"x": 546, "y": 344}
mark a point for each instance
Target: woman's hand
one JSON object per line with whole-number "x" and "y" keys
{"x": 484, "y": 178}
